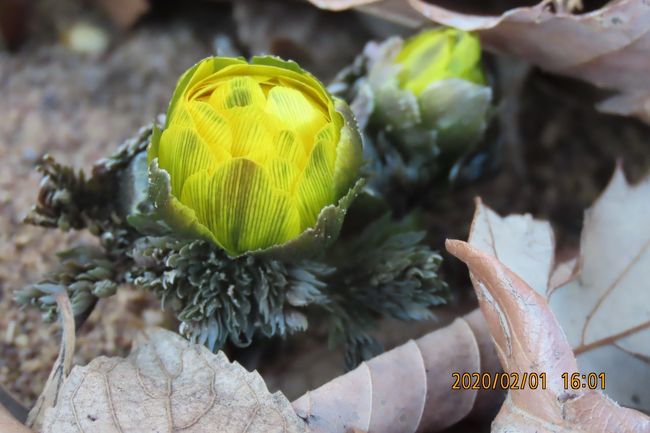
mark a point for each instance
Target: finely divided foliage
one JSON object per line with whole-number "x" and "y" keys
{"x": 148, "y": 237}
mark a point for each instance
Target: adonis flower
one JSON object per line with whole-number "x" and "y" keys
{"x": 434, "y": 83}
{"x": 226, "y": 210}
{"x": 423, "y": 103}
{"x": 255, "y": 152}
{"x": 436, "y": 55}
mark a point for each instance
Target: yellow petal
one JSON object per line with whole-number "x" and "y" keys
{"x": 205, "y": 72}
{"x": 296, "y": 112}
{"x": 329, "y": 137}
{"x": 182, "y": 153}
{"x": 466, "y": 59}
{"x": 283, "y": 174}
{"x": 237, "y": 92}
{"x": 438, "y": 54}
{"x": 180, "y": 116}
{"x": 193, "y": 75}
{"x": 290, "y": 147}
{"x": 315, "y": 188}
{"x": 212, "y": 127}
{"x": 241, "y": 207}
{"x": 253, "y": 131}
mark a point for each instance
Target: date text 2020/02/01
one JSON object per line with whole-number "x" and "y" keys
{"x": 533, "y": 380}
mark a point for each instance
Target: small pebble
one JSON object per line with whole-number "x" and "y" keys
{"x": 21, "y": 340}
{"x": 86, "y": 38}
{"x": 11, "y": 331}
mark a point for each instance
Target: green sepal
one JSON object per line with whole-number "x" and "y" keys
{"x": 212, "y": 64}
{"x": 277, "y": 62}
{"x": 315, "y": 239}
{"x": 162, "y": 213}
{"x": 154, "y": 143}
{"x": 349, "y": 151}
{"x": 397, "y": 108}
{"x": 459, "y": 111}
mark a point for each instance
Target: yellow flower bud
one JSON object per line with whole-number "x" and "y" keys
{"x": 438, "y": 54}
{"x": 254, "y": 152}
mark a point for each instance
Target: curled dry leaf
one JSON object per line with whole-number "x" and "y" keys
{"x": 62, "y": 365}
{"x": 529, "y": 340}
{"x": 168, "y": 384}
{"x": 13, "y": 406}
{"x": 124, "y": 13}
{"x": 601, "y": 298}
{"x": 396, "y": 11}
{"x": 407, "y": 389}
{"x": 9, "y": 424}
{"x": 609, "y": 47}
{"x": 525, "y": 244}
{"x": 605, "y": 312}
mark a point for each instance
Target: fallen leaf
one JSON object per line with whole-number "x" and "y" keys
{"x": 605, "y": 312}
{"x": 406, "y": 389}
{"x": 62, "y": 365}
{"x": 608, "y": 47}
{"x": 9, "y": 424}
{"x": 601, "y": 298}
{"x": 11, "y": 404}
{"x": 124, "y": 13}
{"x": 525, "y": 244}
{"x": 396, "y": 11}
{"x": 393, "y": 11}
{"x": 15, "y": 17}
{"x": 530, "y": 340}
{"x": 563, "y": 273}
{"x": 168, "y": 384}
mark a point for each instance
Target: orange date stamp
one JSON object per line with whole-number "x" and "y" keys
{"x": 577, "y": 381}
{"x": 504, "y": 381}
{"x": 515, "y": 381}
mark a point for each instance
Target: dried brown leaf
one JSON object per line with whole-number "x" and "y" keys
{"x": 62, "y": 365}
{"x": 605, "y": 312}
{"x": 530, "y": 340}
{"x": 168, "y": 384}
{"x": 563, "y": 273}
{"x": 396, "y": 11}
{"x": 609, "y": 47}
{"x": 600, "y": 298}
{"x": 525, "y": 244}
{"x": 15, "y": 17}
{"x": 9, "y": 424}
{"x": 124, "y": 13}
{"x": 407, "y": 389}
{"x": 12, "y": 405}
